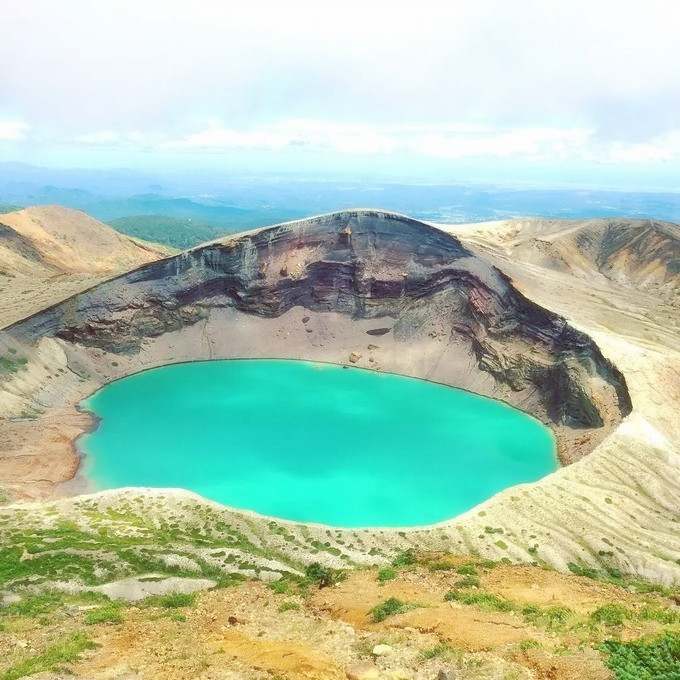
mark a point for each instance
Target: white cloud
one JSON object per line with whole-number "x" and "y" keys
{"x": 662, "y": 149}
{"x": 528, "y": 143}
{"x": 161, "y": 65}
{"x": 96, "y": 138}
{"x": 450, "y": 141}
{"x": 313, "y": 135}
{"x": 13, "y": 131}
{"x": 445, "y": 142}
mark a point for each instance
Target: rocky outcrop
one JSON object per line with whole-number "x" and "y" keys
{"x": 412, "y": 280}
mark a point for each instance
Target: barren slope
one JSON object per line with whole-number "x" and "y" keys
{"x": 638, "y": 253}
{"x": 48, "y": 253}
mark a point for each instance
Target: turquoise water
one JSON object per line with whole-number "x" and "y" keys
{"x": 312, "y": 442}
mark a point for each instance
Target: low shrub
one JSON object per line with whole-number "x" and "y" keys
{"x": 279, "y": 587}
{"x": 324, "y": 577}
{"x": 172, "y": 601}
{"x": 487, "y": 601}
{"x": 639, "y": 660}
{"x": 404, "y": 559}
{"x": 440, "y": 566}
{"x": 387, "y": 608}
{"x": 387, "y": 574}
{"x": 609, "y": 615}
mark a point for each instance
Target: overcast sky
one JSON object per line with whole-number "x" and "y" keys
{"x": 558, "y": 82}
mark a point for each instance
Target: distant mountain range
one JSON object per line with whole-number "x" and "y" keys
{"x": 182, "y": 209}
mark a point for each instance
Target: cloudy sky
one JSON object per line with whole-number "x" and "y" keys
{"x": 559, "y": 84}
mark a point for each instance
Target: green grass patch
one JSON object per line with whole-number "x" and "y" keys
{"x": 109, "y": 614}
{"x": 66, "y": 650}
{"x": 443, "y": 651}
{"x": 289, "y": 605}
{"x": 664, "y": 616}
{"x": 440, "y": 566}
{"x": 34, "y": 605}
{"x": 171, "y": 601}
{"x": 279, "y": 587}
{"x": 487, "y": 601}
{"x": 551, "y": 617}
{"x": 467, "y": 582}
{"x": 388, "y": 608}
{"x": 405, "y": 559}
{"x": 529, "y": 643}
{"x": 610, "y": 615}
{"x": 387, "y": 574}
{"x": 481, "y": 600}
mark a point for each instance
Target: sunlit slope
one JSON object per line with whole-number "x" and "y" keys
{"x": 48, "y": 253}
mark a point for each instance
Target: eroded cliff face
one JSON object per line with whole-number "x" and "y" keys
{"x": 415, "y": 281}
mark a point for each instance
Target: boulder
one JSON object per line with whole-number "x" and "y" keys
{"x": 381, "y": 650}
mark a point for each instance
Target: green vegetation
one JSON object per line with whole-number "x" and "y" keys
{"x": 118, "y": 544}
{"x": 467, "y": 582}
{"x": 550, "y": 617}
{"x": 280, "y": 587}
{"x": 610, "y": 615}
{"x": 440, "y": 566}
{"x": 109, "y": 614}
{"x": 488, "y": 564}
{"x": 529, "y": 643}
{"x": 172, "y": 601}
{"x": 9, "y": 207}
{"x": 11, "y": 365}
{"x": 176, "y": 232}
{"x": 581, "y": 570}
{"x": 324, "y": 576}
{"x": 558, "y": 615}
{"x": 67, "y": 650}
{"x": 654, "y": 660}
{"x": 34, "y": 605}
{"x": 405, "y": 559}
{"x": 442, "y": 650}
{"x": 655, "y": 613}
{"x": 387, "y": 608}
{"x": 615, "y": 577}
{"x": 289, "y": 605}
{"x": 467, "y": 570}
{"x": 481, "y": 600}
{"x": 387, "y": 574}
